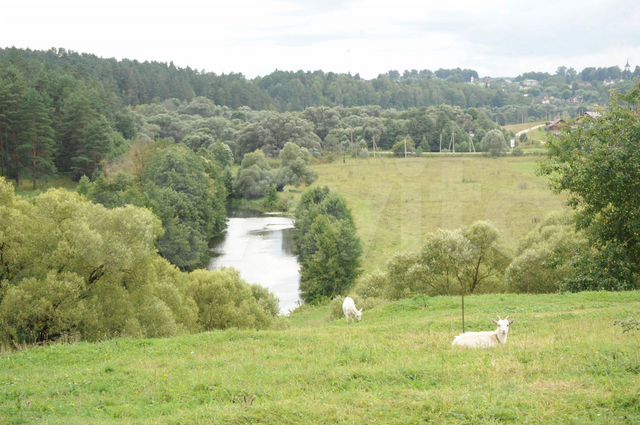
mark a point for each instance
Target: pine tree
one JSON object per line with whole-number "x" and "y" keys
{"x": 76, "y": 115}
{"x": 37, "y": 142}
{"x": 12, "y": 90}
{"x": 85, "y": 136}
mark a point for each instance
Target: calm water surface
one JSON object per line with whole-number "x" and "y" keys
{"x": 261, "y": 248}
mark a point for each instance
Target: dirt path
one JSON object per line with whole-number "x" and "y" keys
{"x": 535, "y": 127}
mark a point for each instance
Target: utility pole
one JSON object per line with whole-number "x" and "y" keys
{"x": 351, "y": 132}
{"x": 452, "y": 142}
{"x": 440, "y": 142}
{"x": 373, "y": 142}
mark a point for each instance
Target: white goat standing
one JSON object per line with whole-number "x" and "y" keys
{"x": 485, "y": 339}
{"x": 349, "y": 309}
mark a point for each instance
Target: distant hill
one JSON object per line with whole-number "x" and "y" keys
{"x": 144, "y": 82}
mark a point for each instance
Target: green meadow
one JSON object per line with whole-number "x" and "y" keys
{"x": 396, "y": 202}
{"x": 565, "y": 363}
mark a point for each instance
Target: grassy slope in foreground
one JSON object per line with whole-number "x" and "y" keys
{"x": 396, "y": 202}
{"x": 564, "y": 363}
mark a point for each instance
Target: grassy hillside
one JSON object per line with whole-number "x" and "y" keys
{"x": 519, "y": 127}
{"x": 396, "y": 201}
{"x": 565, "y": 362}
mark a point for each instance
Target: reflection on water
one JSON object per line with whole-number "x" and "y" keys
{"x": 262, "y": 249}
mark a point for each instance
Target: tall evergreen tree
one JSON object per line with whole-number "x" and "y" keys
{"x": 85, "y": 136}
{"x": 12, "y": 91}
{"x": 37, "y": 138}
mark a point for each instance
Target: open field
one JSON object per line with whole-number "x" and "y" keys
{"x": 396, "y": 202}
{"x": 519, "y": 127}
{"x": 565, "y": 363}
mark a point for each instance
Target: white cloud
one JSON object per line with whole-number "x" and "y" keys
{"x": 496, "y": 37}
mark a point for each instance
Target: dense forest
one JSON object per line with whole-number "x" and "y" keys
{"x": 145, "y": 82}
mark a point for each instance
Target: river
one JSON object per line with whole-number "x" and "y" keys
{"x": 262, "y": 250}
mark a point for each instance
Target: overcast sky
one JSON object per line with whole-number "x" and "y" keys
{"x": 495, "y": 37}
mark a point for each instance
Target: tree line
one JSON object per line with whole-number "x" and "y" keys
{"x": 200, "y": 123}
{"x": 138, "y": 83}
{"x": 52, "y": 122}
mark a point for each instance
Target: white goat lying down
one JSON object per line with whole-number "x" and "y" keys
{"x": 485, "y": 339}
{"x": 349, "y": 309}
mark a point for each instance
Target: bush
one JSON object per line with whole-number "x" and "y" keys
{"x": 547, "y": 256}
{"x": 406, "y": 276}
{"x": 494, "y": 143}
{"x": 225, "y": 301}
{"x": 517, "y": 151}
{"x": 606, "y": 268}
{"x": 399, "y": 147}
{"x": 266, "y": 299}
{"x": 372, "y": 285}
{"x": 628, "y": 325}
{"x": 523, "y": 139}
{"x": 37, "y": 310}
{"x": 156, "y": 318}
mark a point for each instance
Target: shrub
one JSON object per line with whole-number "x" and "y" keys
{"x": 546, "y": 256}
{"x": 225, "y": 301}
{"x": 606, "y": 268}
{"x": 399, "y": 147}
{"x": 493, "y": 143}
{"x": 372, "y": 285}
{"x": 406, "y": 276}
{"x": 46, "y": 309}
{"x": 517, "y": 151}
